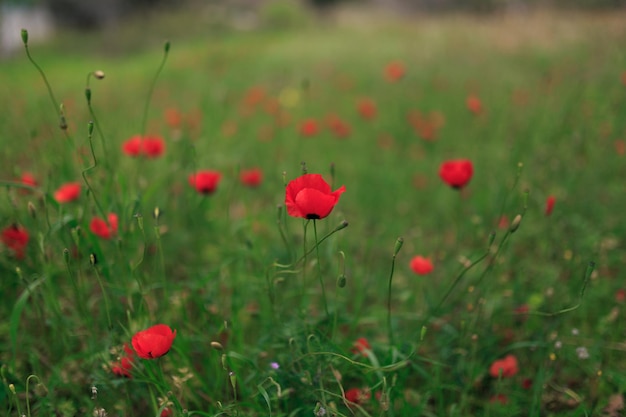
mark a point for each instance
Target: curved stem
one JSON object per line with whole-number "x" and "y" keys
{"x": 319, "y": 271}
{"x": 144, "y": 119}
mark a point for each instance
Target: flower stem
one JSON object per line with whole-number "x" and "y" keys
{"x": 319, "y": 271}
{"x": 397, "y": 247}
{"x": 144, "y": 119}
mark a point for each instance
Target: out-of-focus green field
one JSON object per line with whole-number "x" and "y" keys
{"x": 221, "y": 268}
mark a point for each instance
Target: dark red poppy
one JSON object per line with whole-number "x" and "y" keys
{"x": 67, "y": 192}
{"x": 124, "y": 366}
{"x": 361, "y": 346}
{"x": 205, "y": 182}
{"x": 456, "y": 173}
{"x": 132, "y": 147}
{"x": 153, "y": 342}
{"x": 506, "y": 367}
{"x": 527, "y": 383}
{"x": 310, "y": 197}
{"x": 394, "y": 71}
{"x": 550, "y": 205}
{"x": 499, "y": 399}
{"x": 421, "y": 265}
{"x": 367, "y": 108}
{"x": 357, "y": 395}
{"x": 474, "y": 104}
{"x": 153, "y": 146}
{"x": 102, "y": 228}
{"x": 251, "y": 177}
{"x": 15, "y": 237}
{"x": 308, "y": 127}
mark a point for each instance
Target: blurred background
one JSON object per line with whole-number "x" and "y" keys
{"x": 45, "y": 18}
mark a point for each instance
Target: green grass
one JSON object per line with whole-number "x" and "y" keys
{"x": 223, "y": 268}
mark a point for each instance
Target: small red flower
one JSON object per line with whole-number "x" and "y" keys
{"x": 15, "y": 238}
{"x": 337, "y": 126}
{"x": 360, "y": 346}
{"x": 456, "y": 173}
{"x": 28, "y": 179}
{"x": 310, "y": 197}
{"x": 474, "y": 104}
{"x": 125, "y": 364}
{"x": 421, "y": 265}
{"x": 102, "y": 228}
{"x": 367, "y": 108}
{"x": 167, "y": 412}
{"x": 527, "y": 383}
{"x": 357, "y": 395}
{"x": 394, "y": 71}
{"x": 132, "y": 147}
{"x": 309, "y": 127}
{"x": 499, "y": 399}
{"x": 153, "y": 342}
{"x": 205, "y": 182}
{"x": 251, "y": 177}
{"x": 503, "y": 223}
{"x": 620, "y": 295}
{"x": 507, "y": 367}
{"x": 550, "y": 205}
{"x": 67, "y": 192}
{"x": 173, "y": 118}
{"x": 153, "y": 146}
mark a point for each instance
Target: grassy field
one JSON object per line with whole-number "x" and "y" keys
{"x": 276, "y": 315}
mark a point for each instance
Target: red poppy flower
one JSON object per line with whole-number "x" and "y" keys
{"x": 15, "y": 238}
{"x": 125, "y": 364}
{"x": 173, "y": 118}
{"x": 167, "y": 412}
{"x": 337, "y": 126}
{"x": 620, "y": 295}
{"x": 205, "y": 182}
{"x": 309, "y": 127}
{"x": 474, "y": 104}
{"x": 394, "y": 71}
{"x": 507, "y": 367}
{"x": 357, "y": 395}
{"x": 550, "y": 205}
{"x": 251, "y": 177}
{"x": 153, "y": 146}
{"x": 153, "y": 342}
{"x": 132, "y": 147}
{"x": 28, "y": 179}
{"x": 456, "y": 173}
{"x": 367, "y": 108}
{"x": 102, "y": 228}
{"x": 361, "y": 345}
{"x": 67, "y": 192}
{"x": 421, "y": 265}
{"x": 310, "y": 197}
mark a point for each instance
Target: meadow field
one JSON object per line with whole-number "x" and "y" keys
{"x": 365, "y": 216}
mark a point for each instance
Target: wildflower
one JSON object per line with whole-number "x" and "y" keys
{"x": 421, "y": 265}
{"x": 394, "y": 71}
{"x": 309, "y": 127}
{"x": 503, "y": 223}
{"x": 154, "y": 341}
{"x": 205, "y": 182}
{"x": 274, "y": 365}
{"x": 506, "y": 367}
{"x": 173, "y": 118}
{"x": 67, "y": 192}
{"x": 125, "y": 364}
{"x": 499, "y": 399}
{"x": 357, "y": 395}
{"x": 15, "y": 238}
{"x": 361, "y": 346}
{"x": 167, "y": 412}
{"x": 582, "y": 353}
{"x": 152, "y": 146}
{"x": 28, "y": 179}
{"x": 310, "y": 197}
{"x": 550, "y": 205}
{"x": 456, "y": 173}
{"x": 251, "y": 177}
{"x": 132, "y": 147}
{"x": 620, "y": 295}
{"x": 337, "y": 126}
{"x": 474, "y": 104}
{"x": 104, "y": 228}
{"x": 527, "y": 383}
{"x": 367, "y": 108}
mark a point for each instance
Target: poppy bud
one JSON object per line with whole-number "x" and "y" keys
{"x": 98, "y": 74}
{"x": 156, "y": 213}
{"x": 62, "y": 121}
{"x": 66, "y": 256}
{"x": 342, "y": 225}
{"x": 515, "y": 223}
{"x": 341, "y": 281}
{"x": 88, "y": 94}
{"x": 25, "y": 37}
{"x": 32, "y": 210}
{"x": 92, "y": 259}
{"x": 398, "y": 246}
{"x": 167, "y": 46}
{"x": 423, "y": 332}
{"x": 90, "y": 127}
{"x": 217, "y": 346}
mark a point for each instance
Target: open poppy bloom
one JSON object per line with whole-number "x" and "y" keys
{"x": 149, "y": 146}
{"x": 67, "y": 192}
{"x": 367, "y": 108}
{"x": 421, "y": 265}
{"x": 507, "y": 367}
{"x": 251, "y": 177}
{"x": 456, "y": 173}
{"x": 102, "y": 228}
{"x": 309, "y": 127}
{"x": 153, "y": 342}
{"x": 550, "y": 205}
{"x": 15, "y": 238}
{"x": 28, "y": 179}
{"x": 205, "y": 182}
{"x": 310, "y": 197}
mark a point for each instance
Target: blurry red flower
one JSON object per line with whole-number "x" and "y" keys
{"x": 337, "y": 126}
{"x": 28, "y": 179}
{"x": 474, "y": 104}
{"x": 251, "y": 177}
{"x": 125, "y": 364}
{"x": 153, "y": 342}
{"x": 310, "y": 197}
{"x": 167, "y": 412}
{"x": 394, "y": 71}
{"x": 255, "y": 95}
{"x": 620, "y": 295}
{"x": 503, "y": 223}
{"x": 506, "y": 366}
{"x": 527, "y": 383}
{"x": 132, "y": 147}
{"x": 620, "y": 146}
{"x": 153, "y": 146}
{"x": 550, "y": 205}
{"x": 15, "y": 238}
{"x": 67, "y": 192}
{"x": 456, "y": 173}
{"x": 173, "y": 118}
{"x": 367, "y": 108}
{"x": 102, "y": 228}
{"x": 309, "y": 127}
{"x": 357, "y": 395}
{"x": 499, "y": 399}
{"x": 421, "y": 265}
{"x": 360, "y": 346}
{"x": 205, "y": 182}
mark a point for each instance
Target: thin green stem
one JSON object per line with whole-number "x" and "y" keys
{"x": 319, "y": 271}
{"x": 95, "y": 164}
{"x": 104, "y": 294}
{"x": 95, "y": 120}
{"x": 144, "y": 119}
{"x": 397, "y": 247}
